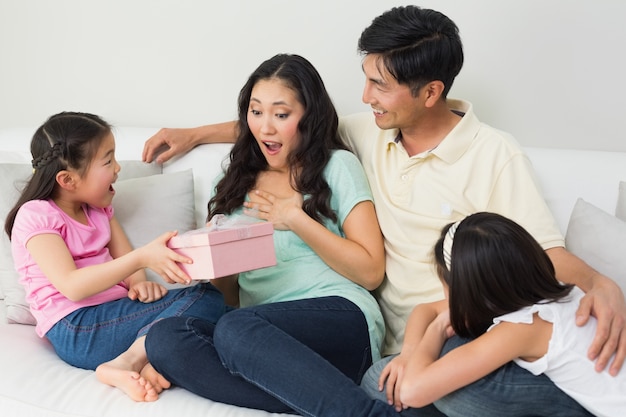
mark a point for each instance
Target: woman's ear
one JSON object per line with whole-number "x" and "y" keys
{"x": 66, "y": 180}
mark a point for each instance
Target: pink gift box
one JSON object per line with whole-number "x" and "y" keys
{"x": 223, "y": 252}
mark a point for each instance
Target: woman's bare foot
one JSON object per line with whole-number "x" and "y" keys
{"x": 130, "y": 382}
{"x": 158, "y": 381}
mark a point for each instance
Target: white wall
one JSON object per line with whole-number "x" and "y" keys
{"x": 549, "y": 71}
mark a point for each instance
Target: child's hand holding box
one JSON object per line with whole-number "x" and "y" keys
{"x": 222, "y": 250}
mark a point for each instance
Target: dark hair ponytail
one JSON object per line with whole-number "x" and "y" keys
{"x": 496, "y": 267}
{"x": 66, "y": 140}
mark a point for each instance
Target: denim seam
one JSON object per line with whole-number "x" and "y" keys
{"x": 191, "y": 300}
{"x": 149, "y": 310}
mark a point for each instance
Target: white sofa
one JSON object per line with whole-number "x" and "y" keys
{"x": 35, "y": 382}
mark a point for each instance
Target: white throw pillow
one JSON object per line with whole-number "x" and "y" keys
{"x": 599, "y": 239}
{"x": 12, "y": 178}
{"x": 620, "y": 210}
{"x": 145, "y": 207}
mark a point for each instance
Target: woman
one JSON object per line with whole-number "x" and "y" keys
{"x": 307, "y": 328}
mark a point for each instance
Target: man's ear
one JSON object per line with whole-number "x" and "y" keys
{"x": 66, "y": 180}
{"x": 433, "y": 91}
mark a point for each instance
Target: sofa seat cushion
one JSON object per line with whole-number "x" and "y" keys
{"x": 37, "y": 383}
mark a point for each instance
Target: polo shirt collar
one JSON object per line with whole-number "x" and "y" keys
{"x": 460, "y": 138}
{"x": 456, "y": 142}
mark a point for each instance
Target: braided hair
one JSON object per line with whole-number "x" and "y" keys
{"x": 55, "y": 152}
{"x": 68, "y": 140}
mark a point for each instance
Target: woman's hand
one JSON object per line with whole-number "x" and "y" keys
{"x": 279, "y": 211}
{"x": 359, "y": 256}
{"x": 146, "y": 291}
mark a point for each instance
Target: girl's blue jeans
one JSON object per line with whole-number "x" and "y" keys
{"x": 93, "y": 335}
{"x": 509, "y": 391}
{"x": 305, "y": 356}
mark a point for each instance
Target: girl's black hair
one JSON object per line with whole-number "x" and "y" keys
{"x": 67, "y": 140}
{"x": 496, "y": 268}
{"x": 318, "y": 138}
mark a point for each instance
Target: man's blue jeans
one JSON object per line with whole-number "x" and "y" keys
{"x": 93, "y": 335}
{"x": 507, "y": 392}
{"x": 304, "y": 356}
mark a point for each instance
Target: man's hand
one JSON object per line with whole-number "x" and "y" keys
{"x": 167, "y": 143}
{"x": 605, "y": 301}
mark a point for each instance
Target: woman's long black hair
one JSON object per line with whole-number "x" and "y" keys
{"x": 318, "y": 138}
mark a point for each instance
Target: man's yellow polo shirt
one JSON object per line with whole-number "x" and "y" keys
{"x": 475, "y": 168}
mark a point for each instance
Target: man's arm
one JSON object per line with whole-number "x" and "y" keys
{"x": 604, "y": 300}
{"x": 168, "y": 142}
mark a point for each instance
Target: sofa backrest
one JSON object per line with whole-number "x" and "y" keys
{"x": 566, "y": 175}
{"x": 563, "y": 174}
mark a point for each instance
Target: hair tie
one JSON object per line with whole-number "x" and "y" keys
{"x": 447, "y": 244}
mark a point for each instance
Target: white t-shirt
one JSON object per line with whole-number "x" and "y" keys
{"x": 566, "y": 362}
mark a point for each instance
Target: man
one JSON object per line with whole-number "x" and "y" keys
{"x": 430, "y": 162}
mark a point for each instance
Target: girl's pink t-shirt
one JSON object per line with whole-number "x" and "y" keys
{"x": 86, "y": 243}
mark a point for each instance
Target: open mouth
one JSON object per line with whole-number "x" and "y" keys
{"x": 273, "y": 147}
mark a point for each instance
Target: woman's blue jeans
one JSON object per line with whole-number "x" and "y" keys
{"x": 93, "y": 335}
{"x": 507, "y": 392}
{"x": 305, "y": 356}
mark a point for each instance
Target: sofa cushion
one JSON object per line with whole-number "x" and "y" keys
{"x": 146, "y": 206}
{"x": 36, "y": 383}
{"x": 620, "y": 210}
{"x": 599, "y": 239}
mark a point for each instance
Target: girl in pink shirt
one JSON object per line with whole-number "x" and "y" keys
{"x": 84, "y": 283}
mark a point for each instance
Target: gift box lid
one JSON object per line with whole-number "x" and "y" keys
{"x": 211, "y": 236}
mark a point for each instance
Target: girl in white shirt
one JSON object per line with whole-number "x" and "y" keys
{"x": 501, "y": 292}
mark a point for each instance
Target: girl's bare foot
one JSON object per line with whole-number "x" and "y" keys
{"x": 158, "y": 382}
{"x": 129, "y": 381}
